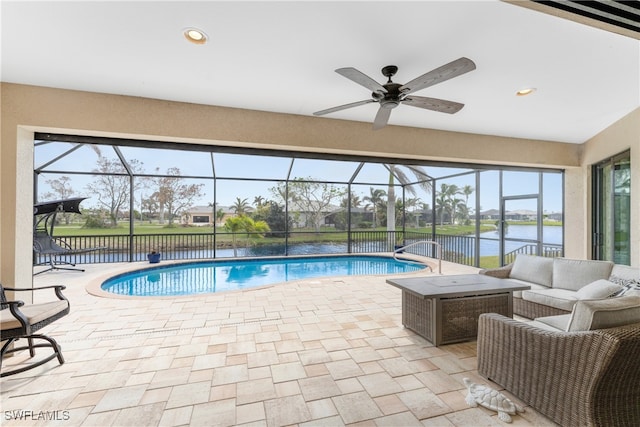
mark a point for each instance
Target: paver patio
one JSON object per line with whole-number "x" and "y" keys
{"x": 326, "y": 352}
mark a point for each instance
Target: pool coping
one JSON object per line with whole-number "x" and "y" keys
{"x": 94, "y": 287}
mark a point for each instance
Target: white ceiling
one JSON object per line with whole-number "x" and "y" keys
{"x": 281, "y": 57}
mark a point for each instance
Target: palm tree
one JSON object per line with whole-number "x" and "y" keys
{"x": 244, "y": 224}
{"x": 375, "y": 199}
{"x": 446, "y": 201}
{"x": 412, "y": 203}
{"x": 258, "y": 201}
{"x": 467, "y": 191}
{"x": 396, "y": 172}
{"x": 453, "y": 190}
{"x": 442, "y": 203}
{"x": 240, "y": 206}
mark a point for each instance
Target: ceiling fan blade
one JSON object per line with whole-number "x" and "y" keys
{"x": 439, "y": 75}
{"x": 362, "y": 79}
{"x": 434, "y": 104}
{"x": 343, "y": 107}
{"x": 382, "y": 117}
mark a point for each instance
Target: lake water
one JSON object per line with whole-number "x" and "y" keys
{"x": 490, "y": 244}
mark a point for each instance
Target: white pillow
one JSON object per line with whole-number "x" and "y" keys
{"x": 597, "y": 290}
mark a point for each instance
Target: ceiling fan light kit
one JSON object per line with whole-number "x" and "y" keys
{"x": 390, "y": 94}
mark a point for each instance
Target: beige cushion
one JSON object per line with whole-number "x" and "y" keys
{"x": 554, "y": 323}
{"x": 534, "y": 286}
{"x": 573, "y": 274}
{"x": 34, "y": 313}
{"x": 557, "y": 298}
{"x": 534, "y": 269}
{"x": 541, "y": 325}
{"x": 597, "y": 290}
{"x": 605, "y": 313}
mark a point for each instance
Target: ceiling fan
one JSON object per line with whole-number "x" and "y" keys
{"x": 390, "y": 94}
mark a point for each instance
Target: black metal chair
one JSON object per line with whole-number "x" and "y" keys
{"x": 19, "y": 320}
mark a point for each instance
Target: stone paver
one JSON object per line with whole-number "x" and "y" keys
{"x": 316, "y": 352}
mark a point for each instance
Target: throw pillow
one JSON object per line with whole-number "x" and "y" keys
{"x": 599, "y": 289}
{"x": 629, "y": 286}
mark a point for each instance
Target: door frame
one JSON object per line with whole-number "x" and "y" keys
{"x": 502, "y": 221}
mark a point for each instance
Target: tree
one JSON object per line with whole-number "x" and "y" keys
{"x": 240, "y": 206}
{"x": 244, "y": 224}
{"x": 259, "y": 201}
{"x": 340, "y": 219}
{"x": 467, "y": 191}
{"x": 412, "y": 203}
{"x": 111, "y": 185}
{"x": 312, "y": 198}
{"x": 375, "y": 199}
{"x": 174, "y": 195}
{"x": 273, "y": 214}
{"x": 446, "y": 201}
{"x": 396, "y": 172}
{"x": 442, "y": 205}
{"x": 60, "y": 189}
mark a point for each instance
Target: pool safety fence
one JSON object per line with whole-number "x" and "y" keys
{"x": 201, "y": 246}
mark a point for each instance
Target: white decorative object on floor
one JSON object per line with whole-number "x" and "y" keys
{"x": 491, "y": 399}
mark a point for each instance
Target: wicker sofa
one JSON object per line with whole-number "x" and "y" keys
{"x": 587, "y": 378}
{"x": 557, "y": 283}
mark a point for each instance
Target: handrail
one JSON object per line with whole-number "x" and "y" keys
{"x": 425, "y": 242}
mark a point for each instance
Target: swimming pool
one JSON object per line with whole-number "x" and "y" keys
{"x": 217, "y": 276}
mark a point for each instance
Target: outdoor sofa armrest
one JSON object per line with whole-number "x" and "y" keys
{"x": 577, "y": 378}
{"x": 500, "y": 272}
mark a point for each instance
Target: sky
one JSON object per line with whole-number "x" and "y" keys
{"x": 227, "y": 166}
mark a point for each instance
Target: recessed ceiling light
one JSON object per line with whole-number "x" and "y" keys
{"x": 526, "y": 91}
{"x": 195, "y": 35}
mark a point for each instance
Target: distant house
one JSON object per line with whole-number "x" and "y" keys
{"x": 361, "y": 213}
{"x": 517, "y": 215}
{"x": 490, "y": 214}
{"x": 198, "y": 215}
{"x": 304, "y": 218}
{"x": 521, "y": 215}
{"x": 203, "y": 215}
{"x": 554, "y": 216}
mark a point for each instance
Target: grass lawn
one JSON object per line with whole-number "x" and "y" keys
{"x": 62, "y": 230}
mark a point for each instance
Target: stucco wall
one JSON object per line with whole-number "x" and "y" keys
{"x": 26, "y": 109}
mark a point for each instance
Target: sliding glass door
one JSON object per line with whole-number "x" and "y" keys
{"x": 611, "y": 209}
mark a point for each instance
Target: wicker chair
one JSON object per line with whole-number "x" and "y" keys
{"x": 22, "y": 321}
{"x": 574, "y": 378}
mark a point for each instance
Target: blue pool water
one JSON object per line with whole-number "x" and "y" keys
{"x": 218, "y": 276}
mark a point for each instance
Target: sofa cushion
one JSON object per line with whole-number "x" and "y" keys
{"x": 554, "y": 323}
{"x": 558, "y": 298}
{"x": 605, "y": 313}
{"x": 573, "y": 274}
{"x": 599, "y": 289}
{"x": 535, "y": 286}
{"x": 534, "y": 269}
